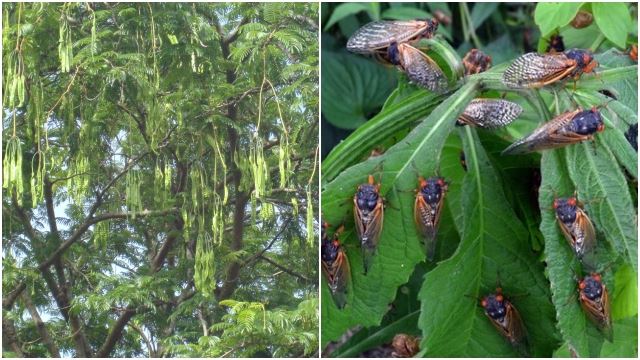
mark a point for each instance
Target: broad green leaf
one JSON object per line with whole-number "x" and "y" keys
{"x": 481, "y": 11}
{"x": 493, "y": 244}
{"x": 625, "y": 341}
{"x": 353, "y": 88}
{"x": 562, "y": 265}
{"x": 405, "y": 13}
{"x": 625, "y": 293}
{"x": 343, "y": 10}
{"x": 551, "y": 16}
{"x": 400, "y": 247}
{"x": 614, "y": 20}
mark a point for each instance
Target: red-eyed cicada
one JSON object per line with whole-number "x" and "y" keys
{"x": 420, "y": 68}
{"x": 567, "y": 128}
{"x": 374, "y": 38}
{"x": 533, "y": 70}
{"x": 368, "y": 210}
{"x": 489, "y": 113}
{"x": 427, "y": 209}
{"x": 594, "y": 300}
{"x": 335, "y": 267}
{"x": 504, "y": 317}
{"x": 575, "y": 225}
{"x": 475, "y": 62}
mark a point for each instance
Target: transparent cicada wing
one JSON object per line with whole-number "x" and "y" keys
{"x": 378, "y": 35}
{"x": 533, "y": 70}
{"x": 421, "y": 69}
{"x": 490, "y": 113}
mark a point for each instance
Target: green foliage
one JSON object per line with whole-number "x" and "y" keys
{"x": 496, "y": 229}
{"x": 135, "y": 136}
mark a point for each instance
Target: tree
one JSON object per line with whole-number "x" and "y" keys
{"x": 159, "y": 177}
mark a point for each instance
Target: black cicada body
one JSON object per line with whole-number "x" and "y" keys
{"x": 533, "y": 70}
{"x": 489, "y": 113}
{"x": 368, "y": 209}
{"x": 335, "y": 267}
{"x": 568, "y": 128}
{"x": 428, "y": 206}
{"x": 575, "y": 225}
{"x": 594, "y": 300}
{"x": 506, "y": 319}
{"x": 419, "y": 67}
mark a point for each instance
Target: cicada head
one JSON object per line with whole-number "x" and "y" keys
{"x": 433, "y": 189}
{"x": 368, "y": 196}
{"x": 585, "y": 62}
{"x": 330, "y": 249}
{"x": 566, "y": 209}
{"x": 587, "y": 122}
{"x": 475, "y": 62}
{"x": 430, "y": 29}
{"x": 591, "y": 287}
{"x": 494, "y": 306}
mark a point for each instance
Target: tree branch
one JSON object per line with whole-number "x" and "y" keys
{"x": 287, "y": 270}
{"x": 40, "y": 325}
{"x": 116, "y": 332}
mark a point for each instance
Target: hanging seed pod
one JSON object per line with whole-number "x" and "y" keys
{"x": 568, "y": 128}
{"x": 405, "y": 346}
{"x": 428, "y": 206}
{"x": 419, "y": 67}
{"x": 475, "y": 62}
{"x": 556, "y": 44}
{"x": 533, "y": 70}
{"x": 632, "y": 135}
{"x": 368, "y": 210}
{"x": 575, "y": 225}
{"x": 506, "y": 319}
{"x": 489, "y": 113}
{"x": 335, "y": 266}
{"x": 594, "y": 300}
{"x": 582, "y": 20}
{"x": 375, "y": 37}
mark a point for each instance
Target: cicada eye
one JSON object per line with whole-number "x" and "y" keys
{"x": 555, "y": 204}
{"x": 440, "y": 182}
{"x": 582, "y": 285}
{"x": 499, "y": 298}
{"x": 572, "y": 201}
{"x": 483, "y": 303}
{"x": 597, "y": 277}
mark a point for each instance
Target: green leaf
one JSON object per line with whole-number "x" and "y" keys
{"x": 493, "y": 242}
{"x": 614, "y": 20}
{"x": 396, "y": 255}
{"x": 353, "y": 88}
{"x": 551, "y": 16}
{"x": 625, "y": 293}
{"x": 481, "y": 11}
{"x": 405, "y": 13}
{"x": 343, "y": 10}
{"x": 561, "y": 261}
{"x": 625, "y": 341}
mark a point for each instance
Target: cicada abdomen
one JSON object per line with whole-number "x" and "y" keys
{"x": 419, "y": 67}
{"x": 575, "y": 225}
{"x": 489, "y": 113}
{"x": 368, "y": 209}
{"x": 475, "y": 62}
{"x": 533, "y": 70}
{"x": 594, "y": 300}
{"x": 567, "y": 128}
{"x": 506, "y": 319}
{"x": 428, "y": 206}
{"x": 335, "y": 267}
{"x": 375, "y": 37}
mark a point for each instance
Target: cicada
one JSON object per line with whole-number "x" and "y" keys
{"x": 374, "y": 38}
{"x": 405, "y": 346}
{"x": 575, "y": 225}
{"x": 632, "y": 135}
{"x": 582, "y": 19}
{"x": 489, "y": 113}
{"x": 567, "y": 128}
{"x": 368, "y": 209}
{"x": 419, "y": 67}
{"x": 594, "y": 300}
{"x": 335, "y": 267}
{"x": 556, "y": 44}
{"x": 427, "y": 209}
{"x": 533, "y": 70}
{"x": 504, "y": 317}
{"x": 633, "y": 53}
{"x": 475, "y": 62}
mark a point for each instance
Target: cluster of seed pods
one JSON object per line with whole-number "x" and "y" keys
{"x": 392, "y": 42}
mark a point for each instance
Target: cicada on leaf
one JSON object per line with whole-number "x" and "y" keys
{"x": 428, "y": 206}
{"x": 506, "y": 319}
{"x": 475, "y": 62}
{"x": 420, "y": 68}
{"x": 405, "y": 346}
{"x": 489, "y": 113}
{"x": 335, "y": 267}
{"x": 594, "y": 300}
{"x": 567, "y": 128}
{"x": 533, "y": 70}
{"x": 575, "y": 225}
{"x": 368, "y": 210}
{"x": 374, "y": 38}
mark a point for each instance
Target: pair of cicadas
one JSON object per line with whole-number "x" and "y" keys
{"x": 575, "y": 225}
{"x": 594, "y": 300}
{"x": 335, "y": 266}
{"x": 567, "y": 128}
{"x": 390, "y": 43}
{"x": 506, "y": 319}
{"x": 533, "y": 70}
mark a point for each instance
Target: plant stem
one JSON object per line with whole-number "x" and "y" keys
{"x": 469, "y": 28}
{"x": 596, "y": 44}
